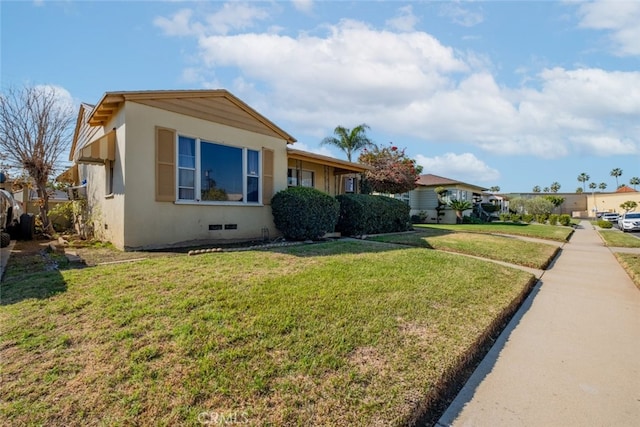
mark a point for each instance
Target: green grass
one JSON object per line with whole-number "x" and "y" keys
{"x": 346, "y": 333}
{"x": 618, "y": 239}
{"x": 631, "y": 263}
{"x": 557, "y": 233}
{"x": 500, "y": 248}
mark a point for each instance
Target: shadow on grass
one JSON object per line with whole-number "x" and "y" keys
{"x": 20, "y": 287}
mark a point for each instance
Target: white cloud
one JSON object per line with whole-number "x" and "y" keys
{"x": 323, "y": 151}
{"x": 464, "y": 16}
{"x": 63, "y": 97}
{"x": 465, "y": 167}
{"x": 303, "y": 5}
{"x": 404, "y": 21}
{"x": 231, "y": 16}
{"x": 620, "y": 18}
{"x": 411, "y": 86}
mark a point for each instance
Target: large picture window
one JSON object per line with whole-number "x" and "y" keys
{"x": 212, "y": 172}
{"x": 300, "y": 178}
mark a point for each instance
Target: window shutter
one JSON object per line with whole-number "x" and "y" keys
{"x": 267, "y": 176}
{"x": 165, "y": 165}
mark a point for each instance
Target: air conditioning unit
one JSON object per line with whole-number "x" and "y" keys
{"x": 77, "y": 193}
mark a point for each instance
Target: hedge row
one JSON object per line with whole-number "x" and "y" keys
{"x": 306, "y": 213}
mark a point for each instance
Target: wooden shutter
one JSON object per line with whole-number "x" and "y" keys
{"x": 165, "y": 165}
{"x": 267, "y": 176}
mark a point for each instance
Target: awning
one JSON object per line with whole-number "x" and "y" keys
{"x": 99, "y": 150}
{"x": 69, "y": 176}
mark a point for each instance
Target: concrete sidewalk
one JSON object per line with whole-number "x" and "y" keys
{"x": 570, "y": 356}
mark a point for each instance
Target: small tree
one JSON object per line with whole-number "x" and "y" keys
{"x": 629, "y": 205}
{"x": 393, "y": 172}
{"x": 34, "y": 132}
{"x": 556, "y": 200}
{"x": 579, "y": 190}
{"x": 440, "y": 193}
{"x": 539, "y": 206}
{"x": 460, "y": 206}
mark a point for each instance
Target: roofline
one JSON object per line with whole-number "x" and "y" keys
{"x": 330, "y": 161}
{"x": 123, "y": 96}
{"x": 452, "y": 182}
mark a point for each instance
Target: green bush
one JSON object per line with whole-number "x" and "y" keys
{"x": 366, "y": 214}
{"x": 516, "y": 217}
{"x": 504, "y": 217}
{"x": 565, "y": 219}
{"x": 603, "y": 223}
{"x": 542, "y": 218}
{"x": 471, "y": 220}
{"x": 553, "y": 219}
{"x": 302, "y": 213}
{"x": 528, "y": 218}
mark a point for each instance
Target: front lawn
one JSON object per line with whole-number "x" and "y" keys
{"x": 631, "y": 263}
{"x": 500, "y": 248}
{"x": 550, "y": 232}
{"x": 345, "y": 333}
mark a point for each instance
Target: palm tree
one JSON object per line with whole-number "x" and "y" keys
{"x": 545, "y": 190}
{"x": 536, "y": 189}
{"x": 349, "y": 140}
{"x": 460, "y": 206}
{"x": 616, "y": 173}
{"x": 496, "y": 189}
{"x": 593, "y": 186}
{"x": 602, "y": 186}
{"x": 583, "y": 178}
{"x": 579, "y": 190}
{"x": 634, "y": 181}
{"x": 555, "y": 186}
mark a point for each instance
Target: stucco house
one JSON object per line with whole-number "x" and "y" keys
{"x": 163, "y": 168}
{"x": 423, "y": 199}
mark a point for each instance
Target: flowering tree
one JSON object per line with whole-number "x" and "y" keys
{"x": 393, "y": 172}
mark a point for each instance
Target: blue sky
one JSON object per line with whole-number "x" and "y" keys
{"x": 513, "y": 94}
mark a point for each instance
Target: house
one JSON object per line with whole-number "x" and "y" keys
{"x": 165, "y": 168}
{"x": 424, "y": 200}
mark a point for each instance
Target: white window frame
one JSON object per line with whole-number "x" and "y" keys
{"x": 198, "y": 174}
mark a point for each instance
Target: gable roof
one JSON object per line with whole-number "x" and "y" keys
{"x": 217, "y": 105}
{"x": 429, "y": 180}
{"x": 625, "y": 189}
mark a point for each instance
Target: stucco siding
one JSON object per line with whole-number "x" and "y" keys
{"x": 149, "y": 223}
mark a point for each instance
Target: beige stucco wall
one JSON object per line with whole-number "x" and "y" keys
{"x": 610, "y": 202}
{"x": 149, "y": 224}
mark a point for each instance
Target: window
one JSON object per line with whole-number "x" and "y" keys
{"x": 300, "y": 178}
{"x": 108, "y": 169}
{"x": 212, "y": 172}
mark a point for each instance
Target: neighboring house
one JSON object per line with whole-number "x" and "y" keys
{"x": 163, "y": 168}
{"x": 423, "y": 199}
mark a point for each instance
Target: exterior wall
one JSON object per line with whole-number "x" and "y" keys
{"x": 148, "y": 223}
{"x": 324, "y": 178}
{"x": 424, "y": 199}
{"x": 575, "y": 204}
{"x": 106, "y": 211}
{"x": 609, "y": 202}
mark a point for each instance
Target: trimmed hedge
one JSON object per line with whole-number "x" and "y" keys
{"x": 366, "y": 214}
{"x": 303, "y": 213}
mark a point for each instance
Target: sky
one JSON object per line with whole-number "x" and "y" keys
{"x": 493, "y": 93}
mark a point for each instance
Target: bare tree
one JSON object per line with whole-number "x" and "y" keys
{"x": 35, "y": 126}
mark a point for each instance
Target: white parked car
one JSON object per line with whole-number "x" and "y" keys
{"x": 612, "y": 217}
{"x": 629, "y": 222}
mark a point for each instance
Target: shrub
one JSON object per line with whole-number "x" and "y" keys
{"x": 471, "y": 220}
{"x": 504, "y": 217}
{"x": 302, "y": 213}
{"x": 528, "y": 218}
{"x": 603, "y": 223}
{"x": 565, "y": 219}
{"x": 542, "y": 218}
{"x": 419, "y": 218}
{"x": 516, "y": 217}
{"x": 553, "y": 219}
{"x": 367, "y": 214}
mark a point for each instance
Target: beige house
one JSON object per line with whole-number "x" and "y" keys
{"x": 163, "y": 168}
{"x": 423, "y": 199}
